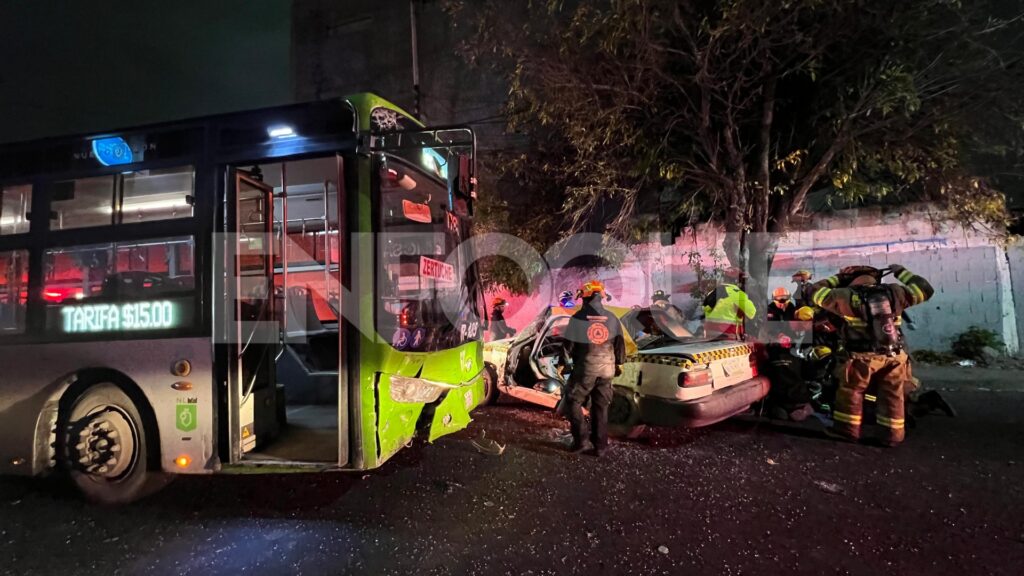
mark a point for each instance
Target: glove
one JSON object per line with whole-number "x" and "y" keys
{"x": 618, "y": 369}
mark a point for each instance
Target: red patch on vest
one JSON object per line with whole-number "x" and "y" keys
{"x": 597, "y": 334}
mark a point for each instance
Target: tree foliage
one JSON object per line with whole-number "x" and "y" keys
{"x": 653, "y": 113}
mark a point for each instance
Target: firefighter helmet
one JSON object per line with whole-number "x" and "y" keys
{"x": 780, "y": 293}
{"x": 590, "y": 288}
{"x": 659, "y": 295}
{"x": 804, "y": 314}
{"x": 802, "y": 276}
{"x": 820, "y": 352}
{"x": 566, "y": 299}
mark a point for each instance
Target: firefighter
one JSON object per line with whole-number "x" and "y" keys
{"x": 726, "y": 307}
{"x": 789, "y": 397}
{"x": 801, "y": 278}
{"x": 781, "y": 306}
{"x": 873, "y": 344}
{"x": 594, "y": 343}
{"x": 499, "y": 329}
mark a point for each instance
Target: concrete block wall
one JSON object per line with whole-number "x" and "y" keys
{"x": 973, "y": 276}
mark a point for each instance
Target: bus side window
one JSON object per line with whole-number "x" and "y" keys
{"x": 13, "y": 290}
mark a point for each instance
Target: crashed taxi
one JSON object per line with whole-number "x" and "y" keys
{"x": 670, "y": 378}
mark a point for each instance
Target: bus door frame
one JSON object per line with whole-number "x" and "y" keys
{"x": 241, "y": 407}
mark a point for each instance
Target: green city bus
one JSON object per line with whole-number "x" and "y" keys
{"x": 273, "y": 290}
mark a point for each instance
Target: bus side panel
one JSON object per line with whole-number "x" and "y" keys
{"x": 35, "y": 376}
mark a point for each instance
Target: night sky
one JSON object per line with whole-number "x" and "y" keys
{"x": 95, "y": 65}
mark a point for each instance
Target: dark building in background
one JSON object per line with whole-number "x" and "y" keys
{"x": 385, "y": 46}
{"x": 83, "y": 67}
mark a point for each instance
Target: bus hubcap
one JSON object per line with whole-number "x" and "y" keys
{"x": 105, "y": 444}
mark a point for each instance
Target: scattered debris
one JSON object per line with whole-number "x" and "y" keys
{"x": 772, "y": 462}
{"x": 488, "y": 447}
{"x": 449, "y": 486}
{"x": 663, "y": 549}
{"x": 828, "y": 487}
{"x": 967, "y": 363}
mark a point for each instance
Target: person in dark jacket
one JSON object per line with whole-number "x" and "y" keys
{"x": 595, "y": 344}
{"x": 499, "y": 329}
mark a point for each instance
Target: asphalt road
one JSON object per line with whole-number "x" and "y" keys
{"x": 742, "y": 497}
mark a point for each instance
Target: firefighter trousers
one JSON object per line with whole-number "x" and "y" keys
{"x": 890, "y": 374}
{"x": 599, "y": 390}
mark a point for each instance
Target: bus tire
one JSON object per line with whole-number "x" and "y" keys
{"x": 624, "y": 416}
{"x": 491, "y": 392}
{"x": 105, "y": 447}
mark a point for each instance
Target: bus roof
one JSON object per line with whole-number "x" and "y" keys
{"x": 230, "y": 136}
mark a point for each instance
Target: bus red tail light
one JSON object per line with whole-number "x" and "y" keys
{"x": 753, "y": 365}
{"x": 694, "y": 378}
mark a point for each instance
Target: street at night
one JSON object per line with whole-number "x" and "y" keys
{"x": 741, "y": 497}
{"x": 512, "y": 287}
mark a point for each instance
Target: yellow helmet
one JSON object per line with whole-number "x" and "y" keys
{"x": 804, "y": 314}
{"x": 820, "y": 352}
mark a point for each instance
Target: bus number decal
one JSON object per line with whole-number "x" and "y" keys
{"x": 92, "y": 318}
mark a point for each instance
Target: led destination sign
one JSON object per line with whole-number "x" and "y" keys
{"x": 89, "y": 318}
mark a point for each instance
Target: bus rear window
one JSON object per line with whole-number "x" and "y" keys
{"x": 119, "y": 271}
{"x": 13, "y": 291}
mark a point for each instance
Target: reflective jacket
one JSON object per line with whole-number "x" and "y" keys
{"x": 848, "y": 304}
{"x": 725, "y": 308}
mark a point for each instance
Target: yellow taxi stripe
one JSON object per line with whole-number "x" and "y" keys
{"x": 699, "y": 357}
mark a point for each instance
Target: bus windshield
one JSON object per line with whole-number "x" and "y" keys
{"x": 421, "y": 275}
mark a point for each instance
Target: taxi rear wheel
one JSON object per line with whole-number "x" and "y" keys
{"x": 624, "y": 416}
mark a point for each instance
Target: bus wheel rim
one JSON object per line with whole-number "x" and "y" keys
{"x": 105, "y": 444}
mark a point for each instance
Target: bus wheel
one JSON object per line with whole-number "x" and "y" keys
{"x": 105, "y": 447}
{"x": 624, "y": 416}
{"x": 491, "y": 392}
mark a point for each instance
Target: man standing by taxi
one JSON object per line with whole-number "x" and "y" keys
{"x": 873, "y": 343}
{"x": 594, "y": 342}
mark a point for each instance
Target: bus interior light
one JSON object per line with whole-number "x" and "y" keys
{"x": 281, "y": 131}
